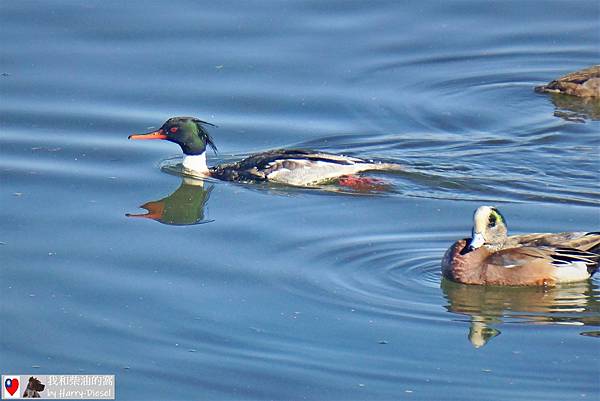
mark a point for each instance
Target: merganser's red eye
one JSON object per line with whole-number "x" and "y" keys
{"x": 173, "y": 129}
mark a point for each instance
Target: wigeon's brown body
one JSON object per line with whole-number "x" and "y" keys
{"x": 492, "y": 258}
{"x": 481, "y": 266}
{"x": 582, "y": 83}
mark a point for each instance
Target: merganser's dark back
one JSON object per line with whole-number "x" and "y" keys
{"x": 259, "y": 166}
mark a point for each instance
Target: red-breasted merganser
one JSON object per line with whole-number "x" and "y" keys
{"x": 297, "y": 167}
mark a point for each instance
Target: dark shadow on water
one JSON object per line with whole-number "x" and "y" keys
{"x": 185, "y": 206}
{"x": 575, "y": 109}
{"x": 489, "y": 307}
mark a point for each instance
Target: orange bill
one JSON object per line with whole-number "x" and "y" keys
{"x": 160, "y": 134}
{"x": 155, "y": 210}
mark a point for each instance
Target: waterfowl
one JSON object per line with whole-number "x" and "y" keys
{"x": 492, "y": 257}
{"x": 582, "y": 83}
{"x": 299, "y": 167}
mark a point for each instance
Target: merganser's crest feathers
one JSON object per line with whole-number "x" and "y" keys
{"x": 206, "y": 136}
{"x": 204, "y": 122}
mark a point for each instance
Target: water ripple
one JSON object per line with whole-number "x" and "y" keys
{"x": 375, "y": 274}
{"x": 397, "y": 276}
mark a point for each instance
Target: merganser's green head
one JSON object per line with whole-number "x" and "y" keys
{"x": 187, "y": 132}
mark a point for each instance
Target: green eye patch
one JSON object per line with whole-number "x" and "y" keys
{"x": 495, "y": 217}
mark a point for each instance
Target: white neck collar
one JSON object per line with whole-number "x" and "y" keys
{"x": 196, "y": 164}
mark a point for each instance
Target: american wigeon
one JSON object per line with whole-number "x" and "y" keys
{"x": 583, "y": 83}
{"x": 491, "y": 257}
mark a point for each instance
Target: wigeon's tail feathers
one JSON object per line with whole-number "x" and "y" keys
{"x": 567, "y": 256}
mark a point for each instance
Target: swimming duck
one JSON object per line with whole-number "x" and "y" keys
{"x": 582, "y": 83}
{"x": 491, "y": 257}
{"x": 297, "y": 167}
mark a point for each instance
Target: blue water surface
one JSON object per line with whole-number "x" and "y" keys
{"x": 260, "y": 292}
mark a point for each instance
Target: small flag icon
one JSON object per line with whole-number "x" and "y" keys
{"x": 11, "y": 387}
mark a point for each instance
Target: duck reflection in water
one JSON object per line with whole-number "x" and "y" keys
{"x": 576, "y": 109}
{"x": 488, "y": 307}
{"x": 576, "y": 96}
{"x": 185, "y": 206}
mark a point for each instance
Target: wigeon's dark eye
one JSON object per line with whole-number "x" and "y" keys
{"x": 492, "y": 220}
{"x": 173, "y": 129}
